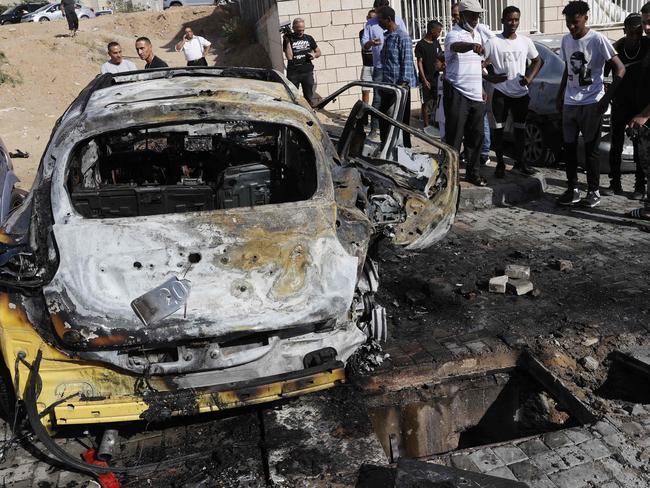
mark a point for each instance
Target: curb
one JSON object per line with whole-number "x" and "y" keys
{"x": 518, "y": 189}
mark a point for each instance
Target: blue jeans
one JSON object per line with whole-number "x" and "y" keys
{"x": 487, "y": 141}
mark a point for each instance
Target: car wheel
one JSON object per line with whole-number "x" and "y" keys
{"x": 176, "y": 4}
{"x": 83, "y": 17}
{"x": 43, "y": 19}
{"x": 535, "y": 150}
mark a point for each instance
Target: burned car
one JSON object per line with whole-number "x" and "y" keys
{"x": 195, "y": 241}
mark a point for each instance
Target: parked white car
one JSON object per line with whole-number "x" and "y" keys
{"x": 52, "y": 11}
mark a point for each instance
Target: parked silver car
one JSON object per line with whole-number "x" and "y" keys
{"x": 544, "y": 124}
{"x": 10, "y": 196}
{"x": 52, "y": 11}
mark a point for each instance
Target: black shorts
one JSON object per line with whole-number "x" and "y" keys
{"x": 429, "y": 95}
{"x": 502, "y": 104}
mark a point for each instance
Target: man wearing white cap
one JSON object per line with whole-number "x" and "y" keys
{"x": 463, "y": 88}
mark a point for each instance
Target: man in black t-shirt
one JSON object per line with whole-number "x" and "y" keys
{"x": 67, "y": 8}
{"x": 640, "y": 123}
{"x": 426, "y": 52}
{"x": 300, "y": 49}
{"x": 632, "y": 50}
{"x": 145, "y": 51}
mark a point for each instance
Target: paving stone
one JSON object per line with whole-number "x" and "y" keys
{"x": 19, "y": 473}
{"x": 502, "y": 472}
{"x": 478, "y": 347}
{"x": 555, "y": 440}
{"x": 525, "y": 470}
{"x": 544, "y": 482}
{"x": 44, "y": 473}
{"x": 596, "y": 449}
{"x": 633, "y": 428}
{"x": 604, "y": 428}
{"x": 625, "y": 475}
{"x": 463, "y": 461}
{"x": 510, "y": 454}
{"x": 549, "y": 462}
{"x": 519, "y": 287}
{"x": 582, "y": 475}
{"x": 573, "y": 455}
{"x": 498, "y": 284}
{"x": 612, "y": 484}
{"x": 578, "y": 435}
{"x": 533, "y": 446}
{"x": 486, "y": 460}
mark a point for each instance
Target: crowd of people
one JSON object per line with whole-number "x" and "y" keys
{"x": 194, "y": 48}
{"x": 455, "y": 81}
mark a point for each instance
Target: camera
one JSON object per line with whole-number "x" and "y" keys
{"x": 285, "y": 29}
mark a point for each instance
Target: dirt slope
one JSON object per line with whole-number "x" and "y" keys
{"x": 50, "y": 68}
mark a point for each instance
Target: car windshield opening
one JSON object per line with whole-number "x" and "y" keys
{"x": 190, "y": 167}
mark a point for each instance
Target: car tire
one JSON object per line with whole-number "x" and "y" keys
{"x": 43, "y": 19}
{"x": 536, "y": 151}
{"x": 176, "y": 4}
{"x": 83, "y": 17}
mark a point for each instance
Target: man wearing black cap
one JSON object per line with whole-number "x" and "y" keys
{"x": 463, "y": 88}
{"x": 632, "y": 50}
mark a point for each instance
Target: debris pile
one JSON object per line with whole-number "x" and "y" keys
{"x": 515, "y": 279}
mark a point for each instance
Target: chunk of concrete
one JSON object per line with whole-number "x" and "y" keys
{"x": 498, "y": 284}
{"x": 518, "y": 272}
{"x": 520, "y": 287}
{"x": 589, "y": 363}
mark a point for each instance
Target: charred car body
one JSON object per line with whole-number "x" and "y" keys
{"x": 194, "y": 241}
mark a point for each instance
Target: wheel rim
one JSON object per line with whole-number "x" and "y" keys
{"x": 43, "y": 19}
{"x": 534, "y": 148}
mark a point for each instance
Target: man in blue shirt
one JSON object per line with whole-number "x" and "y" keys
{"x": 373, "y": 38}
{"x": 398, "y": 67}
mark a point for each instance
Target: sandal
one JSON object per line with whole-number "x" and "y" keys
{"x": 636, "y": 214}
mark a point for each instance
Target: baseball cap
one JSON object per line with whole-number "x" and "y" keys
{"x": 632, "y": 20}
{"x": 470, "y": 6}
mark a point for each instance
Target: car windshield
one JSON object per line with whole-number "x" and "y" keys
{"x": 10, "y": 10}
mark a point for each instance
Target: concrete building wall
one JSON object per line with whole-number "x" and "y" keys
{"x": 267, "y": 29}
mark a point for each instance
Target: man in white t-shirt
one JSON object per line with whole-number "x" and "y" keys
{"x": 508, "y": 53}
{"x": 195, "y": 48}
{"x": 463, "y": 88}
{"x": 116, "y": 63}
{"x": 583, "y": 100}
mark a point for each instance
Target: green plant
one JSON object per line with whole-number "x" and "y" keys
{"x": 6, "y": 77}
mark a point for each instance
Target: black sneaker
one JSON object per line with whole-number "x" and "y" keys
{"x": 569, "y": 197}
{"x": 591, "y": 200}
{"x": 613, "y": 189}
{"x": 524, "y": 169}
{"x": 476, "y": 180}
